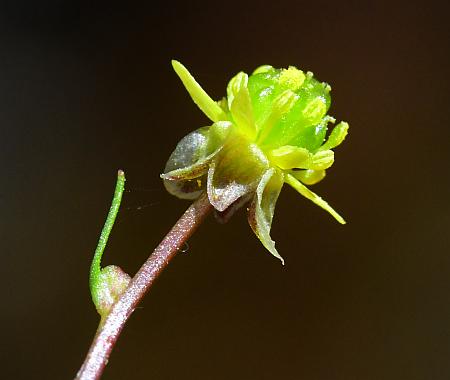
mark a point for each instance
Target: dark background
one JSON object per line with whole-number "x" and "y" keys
{"x": 88, "y": 89}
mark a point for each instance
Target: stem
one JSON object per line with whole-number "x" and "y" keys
{"x": 109, "y": 330}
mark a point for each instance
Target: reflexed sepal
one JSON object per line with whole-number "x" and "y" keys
{"x": 224, "y": 216}
{"x": 190, "y": 160}
{"x": 261, "y": 210}
{"x": 234, "y": 172}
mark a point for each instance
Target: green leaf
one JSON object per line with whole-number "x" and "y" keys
{"x": 337, "y": 136}
{"x": 261, "y": 210}
{"x": 240, "y": 105}
{"x": 303, "y": 190}
{"x": 208, "y": 106}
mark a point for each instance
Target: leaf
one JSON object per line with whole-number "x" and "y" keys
{"x": 208, "y": 106}
{"x": 303, "y": 190}
{"x": 261, "y": 210}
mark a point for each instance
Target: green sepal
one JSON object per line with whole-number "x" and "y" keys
{"x": 208, "y": 106}
{"x": 262, "y": 208}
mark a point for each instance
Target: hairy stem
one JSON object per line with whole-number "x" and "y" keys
{"x": 110, "y": 328}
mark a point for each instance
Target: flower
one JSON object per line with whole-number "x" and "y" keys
{"x": 269, "y": 130}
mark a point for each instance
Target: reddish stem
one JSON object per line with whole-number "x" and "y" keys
{"x": 109, "y": 329}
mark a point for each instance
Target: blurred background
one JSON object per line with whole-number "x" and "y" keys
{"x": 87, "y": 88}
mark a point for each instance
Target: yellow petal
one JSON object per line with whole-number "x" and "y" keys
{"x": 208, "y": 106}
{"x": 303, "y": 190}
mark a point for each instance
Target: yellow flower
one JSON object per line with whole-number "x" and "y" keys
{"x": 269, "y": 130}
